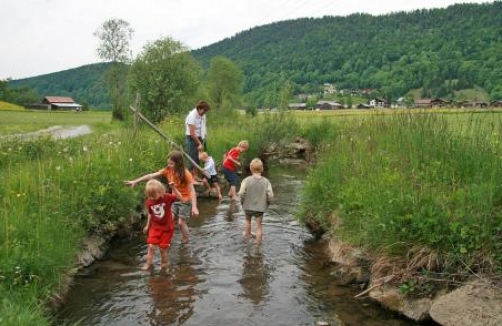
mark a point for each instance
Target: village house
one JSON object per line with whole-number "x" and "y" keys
{"x": 423, "y": 103}
{"x": 378, "y": 103}
{"x": 297, "y": 106}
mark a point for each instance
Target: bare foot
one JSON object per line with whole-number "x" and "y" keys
{"x": 146, "y": 267}
{"x": 234, "y": 198}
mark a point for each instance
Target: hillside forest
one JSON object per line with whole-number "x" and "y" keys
{"x": 420, "y": 54}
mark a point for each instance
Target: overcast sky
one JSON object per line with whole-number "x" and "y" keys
{"x": 43, "y": 36}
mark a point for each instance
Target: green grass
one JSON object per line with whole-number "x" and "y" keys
{"x": 13, "y": 122}
{"x": 394, "y": 183}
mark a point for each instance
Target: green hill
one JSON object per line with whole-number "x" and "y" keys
{"x": 441, "y": 52}
{"x": 84, "y": 84}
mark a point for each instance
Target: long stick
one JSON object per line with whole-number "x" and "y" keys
{"x": 167, "y": 139}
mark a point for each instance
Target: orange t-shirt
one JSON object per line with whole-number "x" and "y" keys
{"x": 185, "y": 188}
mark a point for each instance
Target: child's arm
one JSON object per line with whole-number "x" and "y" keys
{"x": 145, "y": 177}
{"x": 270, "y": 194}
{"x": 175, "y": 190}
{"x": 242, "y": 190}
{"x": 147, "y": 226}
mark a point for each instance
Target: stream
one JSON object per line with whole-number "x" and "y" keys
{"x": 218, "y": 279}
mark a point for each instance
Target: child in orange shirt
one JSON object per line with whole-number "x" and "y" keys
{"x": 177, "y": 173}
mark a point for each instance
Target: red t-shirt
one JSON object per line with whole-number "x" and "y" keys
{"x": 233, "y": 153}
{"x": 184, "y": 188}
{"x": 160, "y": 211}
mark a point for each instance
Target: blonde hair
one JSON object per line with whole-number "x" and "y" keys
{"x": 244, "y": 143}
{"x": 154, "y": 189}
{"x": 256, "y": 166}
{"x": 203, "y": 156}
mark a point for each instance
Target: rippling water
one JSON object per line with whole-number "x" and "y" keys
{"x": 219, "y": 280}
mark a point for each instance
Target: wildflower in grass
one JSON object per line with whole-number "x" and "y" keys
{"x": 58, "y": 168}
{"x": 85, "y": 149}
{"x": 119, "y": 143}
{"x": 130, "y": 159}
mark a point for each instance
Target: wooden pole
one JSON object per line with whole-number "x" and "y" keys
{"x": 167, "y": 139}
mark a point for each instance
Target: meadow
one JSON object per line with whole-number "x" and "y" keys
{"x": 22, "y": 121}
{"x": 390, "y": 183}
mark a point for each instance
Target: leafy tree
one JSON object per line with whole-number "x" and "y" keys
{"x": 114, "y": 36}
{"x": 224, "y": 81}
{"x": 166, "y": 76}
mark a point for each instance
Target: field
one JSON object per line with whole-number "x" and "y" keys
{"x": 20, "y": 121}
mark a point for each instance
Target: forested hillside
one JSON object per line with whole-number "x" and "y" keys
{"x": 436, "y": 52}
{"x": 439, "y": 50}
{"x": 86, "y": 85}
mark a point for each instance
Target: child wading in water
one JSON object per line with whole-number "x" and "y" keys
{"x": 229, "y": 168}
{"x": 256, "y": 194}
{"x": 210, "y": 176}
{"x": 176, "y": 173}
{"x": 160, "y": 225}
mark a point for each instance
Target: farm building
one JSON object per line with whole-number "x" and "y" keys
{"x": 328, "y": 105}
{"x": 61, "y": 103}
{"x": 496, "y": 104}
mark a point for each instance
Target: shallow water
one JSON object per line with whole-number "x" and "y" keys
{"x": 218, "y": 279}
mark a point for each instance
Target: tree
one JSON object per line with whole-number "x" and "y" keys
{"x": 115, "y": 35}
{"x": 224, "y": 82}
{"x": 166, "y": 76}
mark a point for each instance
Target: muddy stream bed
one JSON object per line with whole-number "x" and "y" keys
{"x": 218, "y": 279}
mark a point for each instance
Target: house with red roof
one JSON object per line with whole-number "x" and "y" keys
{"x": 60, "y": 103}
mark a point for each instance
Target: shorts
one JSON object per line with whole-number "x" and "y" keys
{"x": 253, "y": 213}
{"x": 230, "y": 176}
{"x": 160, "y": 236}
{"x": 181, "y": 209}
{"x": 212, "y": 180}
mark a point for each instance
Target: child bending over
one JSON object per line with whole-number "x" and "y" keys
{"x": 210, "y": 176}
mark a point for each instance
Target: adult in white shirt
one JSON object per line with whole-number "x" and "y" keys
{"x": 195, "y": 135}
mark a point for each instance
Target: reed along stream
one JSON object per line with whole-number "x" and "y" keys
{"x": 218, "y": 279}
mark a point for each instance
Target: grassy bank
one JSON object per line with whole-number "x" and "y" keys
{"x": 54, "y": 193}
{"x": 424, "y": 189}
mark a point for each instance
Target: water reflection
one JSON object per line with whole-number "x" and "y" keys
{"x": 173, "y": 293}
{"x": 254, "y": 280}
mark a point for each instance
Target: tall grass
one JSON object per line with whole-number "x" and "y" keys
{"x": 397, "y": 182}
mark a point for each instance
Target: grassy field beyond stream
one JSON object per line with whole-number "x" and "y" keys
{"x": 393, "y": 183}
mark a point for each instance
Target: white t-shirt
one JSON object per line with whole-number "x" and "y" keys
{"x": 193, "y": 118}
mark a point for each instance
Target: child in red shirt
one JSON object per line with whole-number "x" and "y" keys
{"x": 160, "y": 225}
{"x": 230, "y": 164}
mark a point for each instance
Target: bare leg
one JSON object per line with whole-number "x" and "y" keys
{"x": 208, "y": 187}
{"x": 259, "y": 229}
{"x": 232, "y": 193}
{"x": 149, "y": 258}
{"x": 185, "y": 234}
{"x": 163, "y": 258}
{"x": 218, "y": 191}
{"x": 247, "y": 228}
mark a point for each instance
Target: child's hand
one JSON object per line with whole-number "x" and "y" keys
{"x": 172, "y": 185}
{"x": 145, "y": 229}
